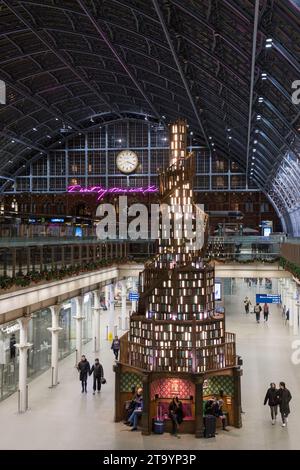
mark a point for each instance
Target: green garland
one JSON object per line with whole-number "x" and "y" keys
{"x": 291, "y": 267}
{"x": 54, "y": 274}
{"x": 246, "y": 261}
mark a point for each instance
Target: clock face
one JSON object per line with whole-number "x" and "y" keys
{"x": 127, "y": 161}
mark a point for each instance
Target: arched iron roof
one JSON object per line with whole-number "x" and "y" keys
{"x": 71, "y": 63}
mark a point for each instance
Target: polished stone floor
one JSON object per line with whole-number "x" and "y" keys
{"x": 63, "y": 418}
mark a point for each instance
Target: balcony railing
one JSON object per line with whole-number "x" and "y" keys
{"x": 204, "y": 359}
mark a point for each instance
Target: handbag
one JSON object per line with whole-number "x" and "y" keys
{"x": 103, "y": 380}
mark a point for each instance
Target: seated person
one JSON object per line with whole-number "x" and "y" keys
{"x": 209, "y": 407}
{"x": 175, "y": 414}
{"x": 130, "y": 404}
{"x": 214, "y": 407}
{"x": 137, "y": 411}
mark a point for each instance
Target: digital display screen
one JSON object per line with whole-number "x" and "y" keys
{"x": 57, "y": 220}
{"x": 78, "y": 232}
{"x": 218, "y": 294}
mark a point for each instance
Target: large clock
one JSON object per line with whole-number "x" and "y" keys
{"x": 127, "y": 161}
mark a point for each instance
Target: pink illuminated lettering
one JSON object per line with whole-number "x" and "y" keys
{"x": 77, "y": 188}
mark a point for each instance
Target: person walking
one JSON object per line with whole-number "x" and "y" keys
{"x": 287, "y": 316}
{"x": 247, "y": 304}
{"x": 266, "y": 312}
{"x": 283, "y": 312}
{"x": 272, "y": 399}
{"x": 257, "y": 310}
{"x": 84, "y": 370}
{"x": 284, "y": 398}
{"x": 97, "y": 370}
{"x": 175, "y": 414}
{"x": 115, "y": 346}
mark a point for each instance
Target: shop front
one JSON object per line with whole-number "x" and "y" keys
{"x": 39, "y": 354}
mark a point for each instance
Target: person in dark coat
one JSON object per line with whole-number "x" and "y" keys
{"x": 175, "y": 414}
{"x": 272, "y": 399}
{"x": 266, "y": 312}
{"x": 12, "y": 346}
{"x": 284, "y": 397}
{"x": 84, "y": 370}
{"x": 115, "y": 346}
{"x": 257, "y": 310}
{"x": 97, "y": 369}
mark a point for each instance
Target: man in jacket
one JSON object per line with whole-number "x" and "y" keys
{"x": 247, "y": 304}
{"x": 272, "y": 399}
{"x": 84, "y": 370}
{"x": 284, "y": 397}
{"x": 97, "y": 369}
{"x": 115, "y": 346}
{"x": 257, "y": 310}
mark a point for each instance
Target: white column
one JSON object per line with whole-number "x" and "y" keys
{"x": 107, "y": 298}
{"x": 295, "y": 315}
{"x": 290, "y": 303}
{"x": 23, "y": 347}
{"x": 54, "y": 329}
{"x": 111, "y": 312}
{"x": 96, "y": 320}
{"x": 79, "y": 317}
{"x": 123, "y": 307}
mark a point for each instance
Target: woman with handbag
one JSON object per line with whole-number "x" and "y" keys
{"x": 98, "y": 376}
{"x": 175, "y": 414}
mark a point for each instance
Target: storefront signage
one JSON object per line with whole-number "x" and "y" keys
{"x": 268, "y": 298}
{"x": 114, "y": 190}
{"x": 10, "y": 329}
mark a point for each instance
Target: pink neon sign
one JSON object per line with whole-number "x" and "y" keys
{"x": 115, "y": 190}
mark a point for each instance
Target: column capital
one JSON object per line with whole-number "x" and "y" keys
{"x": 53, "y": 329}
{"x": 23, "y": 321}
{"x": 55, "y": 309}
{"x": 23, "y": 347}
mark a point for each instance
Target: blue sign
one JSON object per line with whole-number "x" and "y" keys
{"x": 57, "y": 220}
{"x": 133, "y": 296}
{"x": 268, "y": 298}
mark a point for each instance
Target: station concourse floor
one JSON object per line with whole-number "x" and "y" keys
{"x": 63, "y": 418}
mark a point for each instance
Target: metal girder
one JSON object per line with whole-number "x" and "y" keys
{"x": 12, "y": 136}
{"x": 49, "y": 108}
{"x": 55, "y": 52}
{"x": 279, "y": 115}
{"x": 193, "y": 14}
{"x": 117, "y": 56}
{"x": 142, "y": 53}
{"x": 214, "y": 58}
{"x": 252, "y": 80}
{"x": 180, "y": 70}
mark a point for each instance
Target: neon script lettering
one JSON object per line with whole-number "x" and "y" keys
{"x": 115, "y": 190}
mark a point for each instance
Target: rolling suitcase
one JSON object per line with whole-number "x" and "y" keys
{"x": 209, "y": 426}
{"x": 158, "y": 423}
